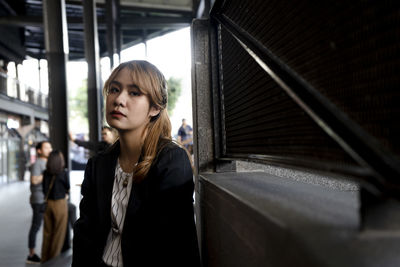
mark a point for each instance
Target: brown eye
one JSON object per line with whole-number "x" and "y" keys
{"x": 135, "y": 93}
{"x": 112, "y": 90}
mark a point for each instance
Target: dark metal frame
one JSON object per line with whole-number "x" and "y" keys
{"x": 26, "y": 16}
{"x": 380, "y": 169}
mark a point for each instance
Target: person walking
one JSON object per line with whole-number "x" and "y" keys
{"x": 56, "y": 188}
{"x": 43, "y": 150}
{"x": 185, "y": 136}
{"x": 137, "y": 205}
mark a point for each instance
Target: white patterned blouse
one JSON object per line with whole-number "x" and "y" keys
{"x": 122, "y": 187}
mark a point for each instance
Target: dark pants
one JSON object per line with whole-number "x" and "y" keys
{"x": 71, "y": 214}
{"x": 37, "y": 218}
{"x": 71, "y": 221}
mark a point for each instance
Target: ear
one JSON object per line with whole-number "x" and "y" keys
{"x": 154, "y": 111}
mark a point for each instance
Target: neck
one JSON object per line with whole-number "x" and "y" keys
{"x": 44, "y": 158}
{"x": 131, "y": 146}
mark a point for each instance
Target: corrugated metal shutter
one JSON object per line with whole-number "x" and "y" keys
{"x": 349, "y": 52}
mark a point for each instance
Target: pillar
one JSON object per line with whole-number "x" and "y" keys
{"x": 92, "y": 55}
{"x": 56, "y": 41}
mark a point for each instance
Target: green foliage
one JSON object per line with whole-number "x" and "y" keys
{"x": 78, "y": 104}
{"x": 174, "y": 91}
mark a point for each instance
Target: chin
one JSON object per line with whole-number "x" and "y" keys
{"x": 116, "y": 125}
{"x": 112, "y": 123}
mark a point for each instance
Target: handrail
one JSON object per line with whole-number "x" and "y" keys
{"x": 34, "y": 97}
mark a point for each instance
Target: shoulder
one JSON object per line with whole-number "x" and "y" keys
{"x": 172, "y": 166}
{"x": 110, "y": 152}
{"x": 35, "y": 165}
{"x": 102, "y": 164}
{"x": 39, "y": 163}
{"x": 171, "y": 151}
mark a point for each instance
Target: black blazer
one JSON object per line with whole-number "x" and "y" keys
{"x": 159, "y": 228}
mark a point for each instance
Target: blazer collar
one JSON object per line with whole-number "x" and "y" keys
{"x": 107, "y": 172}
{"x": 106, "y": 177}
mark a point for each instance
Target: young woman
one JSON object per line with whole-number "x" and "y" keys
{"x": 55, "y": 188}
{"x": 137, "y": 205}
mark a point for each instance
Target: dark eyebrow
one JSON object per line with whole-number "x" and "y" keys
{"x": 134, "y": 86}
{"x": 129, "y": 85}
{"x": 117, "y": 83}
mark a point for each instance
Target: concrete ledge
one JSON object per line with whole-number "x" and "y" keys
{"x": 258, "y": 219}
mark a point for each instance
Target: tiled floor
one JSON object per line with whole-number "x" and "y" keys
{"x": 15, "y": 219}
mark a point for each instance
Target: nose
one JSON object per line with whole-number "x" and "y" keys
{"x": 120, "y": 99}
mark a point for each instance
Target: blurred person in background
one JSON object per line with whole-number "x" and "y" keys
{"x": 185, "y": 136}
{"x": 56, "y": 189}
{"x": 38, "y": 205}
{"x": 108, "y": 137}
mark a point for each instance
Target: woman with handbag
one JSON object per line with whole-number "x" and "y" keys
{"x": 55, "y": 188}
{"x": 137, "y": 205}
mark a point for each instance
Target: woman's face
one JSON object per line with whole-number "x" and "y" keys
{"x": 127, "y": 108}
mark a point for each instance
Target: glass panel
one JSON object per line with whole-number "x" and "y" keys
{"x": 13, "y": 163}
{"x": 3, "y": 161}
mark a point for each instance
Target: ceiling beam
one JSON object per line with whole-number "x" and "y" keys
{"x": 22, "y": 21}
{"x": 143, "y": 7}
{"x": 153, "y": 23}
{"x": 126, "y": 23}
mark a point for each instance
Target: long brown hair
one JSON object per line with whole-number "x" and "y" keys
{"x": 152, "y": 83}
{"x": 55, "y": 162}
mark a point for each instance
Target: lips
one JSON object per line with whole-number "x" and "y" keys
{"x": 116, "y": 113}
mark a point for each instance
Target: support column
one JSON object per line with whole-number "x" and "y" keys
{"x": 202, "y": 8}
{"x": 144, "y": 34}
{"x": 39, "y": 92}
{"x": 112, "y": 17}
{"x": 203, "y": 130}
{"x": 203, "y": 127}
{"x": 56, "y": 40}
{"x": 39, "y": 77}
{"x": 3, "y": 78}
{"x": 118, "y": 31}
{"x": 93, "y": 60}
{"x": 18, "y": 82}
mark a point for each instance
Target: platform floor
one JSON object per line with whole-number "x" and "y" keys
{"x": 15, "y": 219}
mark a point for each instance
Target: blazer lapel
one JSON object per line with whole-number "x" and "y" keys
{"x": 106, "y": 173}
